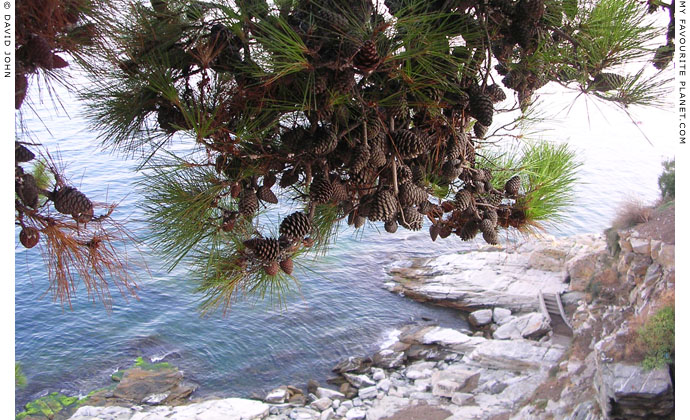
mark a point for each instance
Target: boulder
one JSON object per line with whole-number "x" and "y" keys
{"x": 356, "y": 413}
{"x": 420, "y": 370}
{"x": 667, "y": 256}
{"x": 464, "y": 378}
{"x": 321, "y": 404}
{"x": 581, "y": 269}
{"x": 384, "y": 385}
{"x": 500, "y": 315}
{"x": 533, "y": 325}
{"x": 389, "y": 359}
{"x": 481, "y": 317}
{"x": 630, "y": 392}
{"x": 303, "y": 413}
{"x": 462, "y": 398}
{"x": 327, "y": 414}
{"x": 358, "y": 381}
{"x": 329, "y": 393}
{"x": 368, "y": 392}
{"x": 353, "y": 364}
{"x": 277, "y": 396}
{"x": 449, "y": 337}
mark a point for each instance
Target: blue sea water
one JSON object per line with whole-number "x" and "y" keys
{"x": 339, "y": 307}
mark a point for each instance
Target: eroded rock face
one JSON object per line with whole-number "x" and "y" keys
{"x": 516, "y": 354}
{"x": 630, "y": 392}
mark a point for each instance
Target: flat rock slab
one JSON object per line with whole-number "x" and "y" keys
{"x": 492, "y": 276}
{"x": 224, "y": 409}
{"x": 516, "y": 355}
{"x": 420, "y": 412}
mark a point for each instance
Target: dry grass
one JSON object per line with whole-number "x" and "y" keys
{"x": 631, "y": 213}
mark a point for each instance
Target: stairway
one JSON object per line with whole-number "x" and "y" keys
{"x": 552, "y": 307}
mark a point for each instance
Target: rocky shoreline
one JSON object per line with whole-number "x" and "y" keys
{"x": 509, "y": 366}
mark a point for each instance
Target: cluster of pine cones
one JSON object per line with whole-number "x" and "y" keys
{"x": 368, "y": 141}
{"x": 66, "y": 200}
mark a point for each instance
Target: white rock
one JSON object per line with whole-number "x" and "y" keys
{"x": 155, "y": 399}
{"x": 515, "y": 355}
{"x": 423, "y": 396}
{"x": 347, "y": 404}
{"x": 277, "y": 396}
{"x": 422, "y": 385}
{"x": 321, "y": 404}
{"x": 336, "y": 404}
{"x": 445, "y": 388}
{"x": 367, "y": 393}
{"x": 225, "y": 409}
{"x": 451, "y": 338}
{"x": 356, "y": 414}
{"x": 500, "y": 314}
{"x": 303, "y": 413}
{"x": 528, "y": 325}
{"x": 480, "y": 317}
{"x": 384, "y": 384}
{"x": 461, "y": 398}
{"x": 466, "y": 378}
{"x": 327, "y": 414}
{"x": 358, "y": 381}
{"x": 378, "y": 374}
{"x": 341, "y": 411}
{"x": 357, "y": 402}
{"x": 329, "y": 393}
{"x": 386, "y": 407}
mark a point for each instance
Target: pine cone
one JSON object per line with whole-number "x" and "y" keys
{"x": 512, "y": 186}
{"x": 408, "y": 144}
{"x": 491, "y": 215}
{"x": 29, "y": 236}
{"x": 21, "y": 84}
{"x": 495, "y": 199}
{"x": 22, "y": 154}
{"x": 384, "y": 207}
{"x": 490, "y": 236}
{"x": 265, "y": 194}
{"x": 267, "y": 249}
{"x": 480, "y": 130}
{"x": 486, "y": 225}
{"x": 529, "y": 11}
{"x": 482, "y": 108}
{"x": 27, "y": 190}
{"x": 359, "y": 221}
{"x": 248, "y": 204}
{"x": 411, "y": 195}
{"x": 469, "y": 230}
{"x": 495, "y": 93}
{"x": 445, "y": 231}
{"x": 367, "y": 57}
{"x": 391, "y": 226}
{"x": 289, "y": 177}
{"x": 325, "y": 141}
{"x": 321, "y": 190}
{"x": 287, "y": 266}
{"x": 272, "y": 268}
{"x": 69, "y": 200}
{"x": 463, "y": 200}
{"x": 434, "y": 230}
{"x": 295, "y": 226}
{"x": 331, "y": 20}
{"x": 360, "y": 157}
{"x": 604, "y": 82}
{"x": 412, "y": 219}
{"x": 451, "y": 170}
{"x": 339, "y": 191}
{"x": 455, "y": 146}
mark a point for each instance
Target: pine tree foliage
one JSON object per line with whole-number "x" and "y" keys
{"x": 78, "y": 238}
{"x": 322, "y": 93}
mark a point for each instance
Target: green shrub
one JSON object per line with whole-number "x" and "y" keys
{"x": 667, "y": 180}
{"x": 658, "y": 337}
